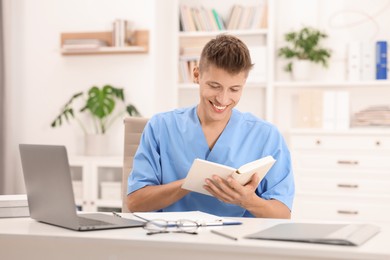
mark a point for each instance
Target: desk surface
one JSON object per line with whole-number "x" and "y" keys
{"x": 22, "y": 238}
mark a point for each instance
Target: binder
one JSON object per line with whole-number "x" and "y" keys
{"x": 381, "y": 60}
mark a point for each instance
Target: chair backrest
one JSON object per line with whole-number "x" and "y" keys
{"x": 134, "y": 127}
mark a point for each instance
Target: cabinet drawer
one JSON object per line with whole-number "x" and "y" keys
{"x": 338, "y": 160}
{"x": 355, "y": 187}
{"x": 339, "y": 142}
{"x": 317, "y": 207}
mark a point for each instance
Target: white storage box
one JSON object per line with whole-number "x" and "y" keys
{"x": 111, "y": 190}
{"x": 77, "y": 189}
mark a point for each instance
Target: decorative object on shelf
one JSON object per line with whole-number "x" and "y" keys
{"x": 100, "y": 105}
{"x": 304, "y": 47}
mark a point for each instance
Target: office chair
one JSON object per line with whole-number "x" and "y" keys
{"x": 133, "y": 129}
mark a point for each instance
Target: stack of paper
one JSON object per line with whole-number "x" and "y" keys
{"x": 201, "y": 218}
{"x": 372, "y": 116}
{"x": 13, "y": 206}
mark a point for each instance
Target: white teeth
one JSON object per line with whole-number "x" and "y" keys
{"x": 219, "y": 107}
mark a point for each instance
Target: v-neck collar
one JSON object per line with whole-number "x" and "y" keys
{"x": 222, "y": 141}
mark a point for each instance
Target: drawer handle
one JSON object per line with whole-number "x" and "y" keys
{"x": 344, "y": 185}
{"x": 348, "y": 212}
{"x": 348, "y": 162}
{"x": 318, "y": 142}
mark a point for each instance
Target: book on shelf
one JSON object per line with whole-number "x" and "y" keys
{"x": 309, "y": 109}
{"x": 336, "y": 110}
{"x": 353, "y": 61}
{"x": 234, "y": 17}
{"x": 121, "y": 33}
{"x": 219, "y": 20}
{"x": 367, "y": 55}
{"x": 202, "y": 169}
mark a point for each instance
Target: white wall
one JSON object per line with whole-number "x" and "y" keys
{"x": 40, "y": 80}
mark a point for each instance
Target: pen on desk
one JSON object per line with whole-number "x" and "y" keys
{"x": 135, "y": 215}
{"x": 223, "y": 235}
{"x": 116, "y": 214}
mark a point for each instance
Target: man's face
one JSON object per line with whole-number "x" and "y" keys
{"x": 219, "y": 93}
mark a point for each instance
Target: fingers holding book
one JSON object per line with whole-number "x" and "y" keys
{"x": 230, "y": 190}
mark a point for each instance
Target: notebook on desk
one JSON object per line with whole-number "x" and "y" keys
{"x": 335, "y": 234}
{"x": 50, "y": 195}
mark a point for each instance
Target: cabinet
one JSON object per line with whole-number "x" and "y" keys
{"x": 258, "y": 39}
{"x": 97, "y": 182}
{"x": 341, "y": 175}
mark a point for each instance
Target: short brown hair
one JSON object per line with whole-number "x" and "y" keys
{"x": 226, "y": 52}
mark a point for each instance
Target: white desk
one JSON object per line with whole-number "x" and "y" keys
{"x": 24, "y": 238}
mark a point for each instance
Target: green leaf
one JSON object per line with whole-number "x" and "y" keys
{"x": 100, "y": 102}
{"x": 305, "y": 45}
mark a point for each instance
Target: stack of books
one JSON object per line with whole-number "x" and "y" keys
{"x": 372, "y": 116}
{"x": 82, "y": 45}
{"x": 14, "y": 206}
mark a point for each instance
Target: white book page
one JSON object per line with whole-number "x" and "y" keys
{"x": 199, "y": 217}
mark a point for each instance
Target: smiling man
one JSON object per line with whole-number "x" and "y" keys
{"x": 215, "y": 131}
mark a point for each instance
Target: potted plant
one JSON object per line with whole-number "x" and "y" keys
{"x": 303, "y": 47}
{"x": 100, "y": 105}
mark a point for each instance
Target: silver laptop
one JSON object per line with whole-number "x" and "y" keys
{"x": 50, "y": 195}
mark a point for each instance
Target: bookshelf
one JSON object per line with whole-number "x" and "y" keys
{"x": 140, "y": 44}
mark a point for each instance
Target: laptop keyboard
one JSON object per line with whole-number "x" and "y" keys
{"x": 92, "y": 222}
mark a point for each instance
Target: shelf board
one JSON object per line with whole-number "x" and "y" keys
{"x": 330, "y": 84}
{"x": 141, "y": 43}
{"x": 106, "y": 50}
{"x": 254, "y": 32}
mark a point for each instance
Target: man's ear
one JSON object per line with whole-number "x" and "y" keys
{"x": 195, "y": 75}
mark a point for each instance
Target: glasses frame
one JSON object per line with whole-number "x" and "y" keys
{"x": 162, "y": 226}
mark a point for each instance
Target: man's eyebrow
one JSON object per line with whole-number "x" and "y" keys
{"x": 214, "y": 82}
{"x": 219, "y": 84}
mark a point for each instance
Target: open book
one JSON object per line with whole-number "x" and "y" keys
{"x": 201, "y": 169}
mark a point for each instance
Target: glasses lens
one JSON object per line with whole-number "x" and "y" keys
{"x": 156, "y": 225}
{"x": 187, "y": 225}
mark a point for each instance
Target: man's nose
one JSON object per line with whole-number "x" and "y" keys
{"x": 222, "y": 97}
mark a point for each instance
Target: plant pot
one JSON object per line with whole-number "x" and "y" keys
{"x": 96, "y": 144}
{"x": 301, "y": 70}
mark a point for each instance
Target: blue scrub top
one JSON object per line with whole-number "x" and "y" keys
{"x": 172, "y": 140}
